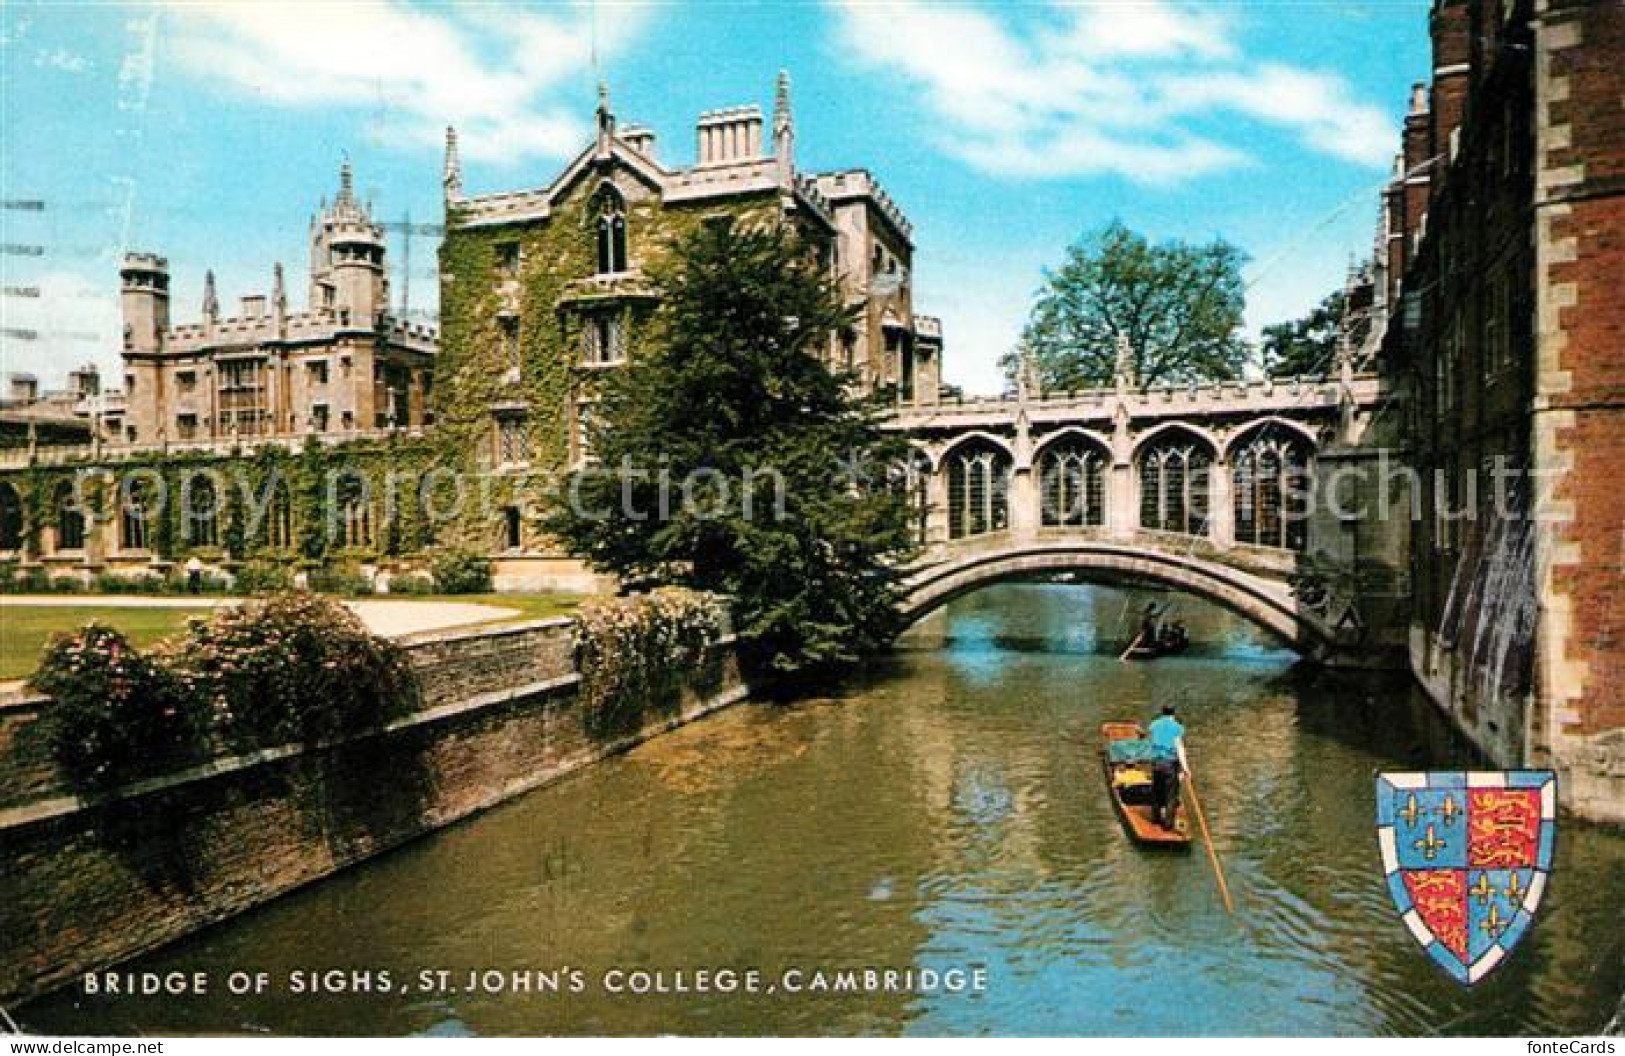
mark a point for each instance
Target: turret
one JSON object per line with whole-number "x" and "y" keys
{"x": 453, "y": 178}
{"x": 144, "y": 301}
{"x": 347, "y": 258}
{"x": 784, "y": 131}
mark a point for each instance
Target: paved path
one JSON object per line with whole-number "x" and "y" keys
{"x": 386, "y": 617}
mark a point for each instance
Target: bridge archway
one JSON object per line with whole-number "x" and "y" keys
{"x": 1265, "y": 602}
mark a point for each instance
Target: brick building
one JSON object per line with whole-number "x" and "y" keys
{"x": 1501, "y": 266}
{"x": 343, "y": 366}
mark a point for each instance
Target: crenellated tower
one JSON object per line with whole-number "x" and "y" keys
{"x": 347, "y": 258}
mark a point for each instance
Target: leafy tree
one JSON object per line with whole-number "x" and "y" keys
{"x": 1304, "y": 346}
{"x": 731, "y": 459}
{"x": 1178, "y": 305}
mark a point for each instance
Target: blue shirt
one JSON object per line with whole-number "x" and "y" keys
{"x": 1165, "y": 736}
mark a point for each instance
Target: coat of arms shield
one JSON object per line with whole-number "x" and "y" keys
{"x": 1467, "y": 856}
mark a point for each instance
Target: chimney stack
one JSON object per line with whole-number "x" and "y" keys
{"x": 1451, "y": 27}
{"x": 640, "y": 138}
{"x": 24, "y": 388}
{"x": 1419, "y": 160}
{"x": 732, "y": 135}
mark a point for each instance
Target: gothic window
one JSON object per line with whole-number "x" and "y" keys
{"x": 11, "y": 519}
{"x": 1174, "y": 471}
{"x": 513, "y": 440}
{"x": 603, "y": 338}
{"x": 1072, "y": 476}
{"x": 70, "y": 520}
{"x": 508, "y": 260}
{"x": 978, "y": 489}
{"x": 200, "y": 509}
{"x": 135, "y": 521}
{"x": 912, "y": 480}
{"x": 512, "y": 528}
{"x": 508, "y": 333}
{"x": 1270, "y": 491}
{"x": 279, "y": 519}
{"x": 611, "y": 232}
{"x": 584, "y": 426}
{"x": 355, "y": 514}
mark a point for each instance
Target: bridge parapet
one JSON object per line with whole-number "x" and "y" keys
{"x": 1104, "y": 404}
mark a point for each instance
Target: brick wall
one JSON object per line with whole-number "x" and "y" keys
{"x": 1582, "y": 395}
{"x": 86, "y": 887}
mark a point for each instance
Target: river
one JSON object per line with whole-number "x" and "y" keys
{"x": 946, "y": 813}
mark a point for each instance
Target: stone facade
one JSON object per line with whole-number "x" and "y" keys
{"x": 1503, "y": 247}
{"x": 544, "y": 288}
{"x": 342, "y": 367}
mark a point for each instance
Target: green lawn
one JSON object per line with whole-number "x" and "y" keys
{"x": 24, "y": 629}
{"x": 530, "y": 606}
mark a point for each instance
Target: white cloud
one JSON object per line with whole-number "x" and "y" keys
{"x": 495, "y": 73}
{"x": 1120, "y": 89}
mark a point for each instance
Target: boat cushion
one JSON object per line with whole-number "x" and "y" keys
{"x": 1129, "y": 751}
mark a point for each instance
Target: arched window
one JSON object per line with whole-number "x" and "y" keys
{"x": 1072, "y": 475}
{"x": 913, "y": 482}
{"x": 1174, "y": 473}
{"x": 200, "y": 512}
{"x": 11, "y": 518}
{"x": 611, "y": 231}
{"x": 279, "y": 519}
{"x": 1271, "y": 477}
{"x": 978, "y": 489}
{"x": 135, "y": 519}
{"x": 70, "y": 519}
{"x": 355, "y": 513}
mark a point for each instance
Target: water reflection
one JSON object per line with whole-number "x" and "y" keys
{"x": 948, "y": 812}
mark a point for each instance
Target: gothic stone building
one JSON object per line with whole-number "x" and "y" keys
{"x": 341, "y": 367}
{"x": 543, "y": 288}
{"x": 1499, "y": 265}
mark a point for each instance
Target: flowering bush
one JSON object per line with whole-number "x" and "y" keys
{"x": 294, "y": 666}
{"x": 632, "y": 653}
{"x": 116, "y": 714}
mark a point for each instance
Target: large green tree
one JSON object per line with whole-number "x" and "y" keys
{"x": 1304, "y": 346}
{"x": 729, "y": 458}
{"x": 1179, "y": 307}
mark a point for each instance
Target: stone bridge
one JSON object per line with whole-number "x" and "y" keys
{"x": 1216, "y": 490}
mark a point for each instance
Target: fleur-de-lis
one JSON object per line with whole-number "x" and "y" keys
{"x": 1492, "y": 924}
{"x": 1483, "y": 890}
{"x": 1514, "y": 890}
{"x": 1430, "y": 845}
{"x": 1413, "y": 811}
{"x": 1448, "y": 810}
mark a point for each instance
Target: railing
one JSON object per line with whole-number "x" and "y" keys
{"x": 67, "y": 454}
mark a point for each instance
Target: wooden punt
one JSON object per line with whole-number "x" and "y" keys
{"x": 1128, "y": 781}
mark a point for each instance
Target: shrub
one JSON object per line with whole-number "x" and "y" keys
{"x": 347, "y": 582}
{"x": 116, "y": 714}
{"x": 294, "y": 666}
{"x": 140, "y": 583}
{"x": 263, "y": 579}
{"x": 633, "y": 653}
{"x": 411, "y": 584}
{"x": 462, "y": 572}
{"x": 209, "y": 583}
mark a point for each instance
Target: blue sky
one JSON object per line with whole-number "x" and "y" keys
{"x": 208, "y": 133}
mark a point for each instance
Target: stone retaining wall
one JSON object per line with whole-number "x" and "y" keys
{"x": 88, "y": 886}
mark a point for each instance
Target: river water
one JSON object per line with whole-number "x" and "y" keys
{"x": 948, "y": 813}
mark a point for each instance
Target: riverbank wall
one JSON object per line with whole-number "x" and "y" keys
{"x": 88, "y": 885}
